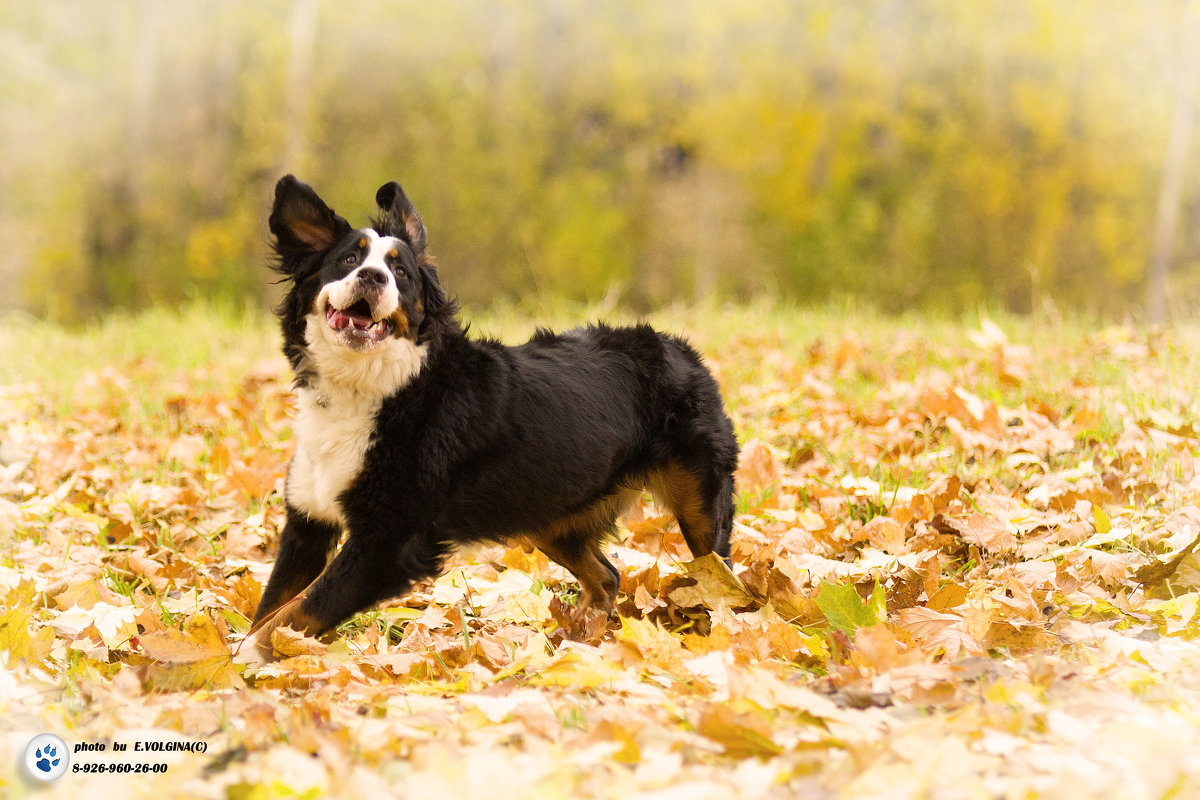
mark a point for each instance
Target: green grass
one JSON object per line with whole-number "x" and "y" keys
{"x": 212, "y": 345}
{"x": 757, "y": 344}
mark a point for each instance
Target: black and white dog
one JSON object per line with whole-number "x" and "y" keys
{"x": 413, "y": 437}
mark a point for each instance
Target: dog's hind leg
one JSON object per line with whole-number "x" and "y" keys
{"x": 580, "y": 554}
{"x": 574, "y": 542}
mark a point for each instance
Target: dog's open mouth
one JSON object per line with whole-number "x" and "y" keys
{"x": 356, "y": 323}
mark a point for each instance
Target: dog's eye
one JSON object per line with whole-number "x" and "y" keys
{"x": 400, "y": 273}
{"x": 350, "y": 259}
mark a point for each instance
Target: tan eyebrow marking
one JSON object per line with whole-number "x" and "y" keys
{"x": 362, "y": 243}
{"x": 393, "y": 253}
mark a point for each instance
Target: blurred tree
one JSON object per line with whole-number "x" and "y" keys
{"x": 301, "y": 44}
{"x": 920, "y": 153}
{"x": 1171, "y": 191}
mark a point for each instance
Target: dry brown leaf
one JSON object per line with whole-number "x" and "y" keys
{"x": 743, "y": 735}
{"x": 1159, "y": 569}
{"x": 936, "y": 631}
{"x": 987, "y": 533}
{"x": 886, "y": 534}
{"x": 579, "y": 624}
{"x": 645, "y": 602}
{"x": 287, "y": 643}
{"x": 757, "y": 467}
{"x": 713, "y": 583}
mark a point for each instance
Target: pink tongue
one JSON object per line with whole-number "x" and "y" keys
{"x": 340, "y": 319}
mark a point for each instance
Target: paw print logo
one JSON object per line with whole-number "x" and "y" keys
{"x": 46, "y": 757}
{"x": 46, "y": 760}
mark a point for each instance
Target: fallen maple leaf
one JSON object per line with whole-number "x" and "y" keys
{"x": 577, "y": 669}
{"x": 19, "y": 640}
{"x": 877, "y": 649}
{"x": 742, "y": 734}
{"x": 987, "y": 533}
{"x": 287, "y": 643}
{"x": 194, "y": 658}
{"x": 886, "y": 534}
{"x": 712, "y": 583}
{"x": 936, "y": 631}
{"x": 113, "y": 624}
{"x": 579, "y": 624}
{"x": 1163, "y": 567}
{"x": 655, "y": 644}
{"x": 846, "y": 611}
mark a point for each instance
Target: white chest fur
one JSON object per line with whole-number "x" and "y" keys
{"x": 332, "y": 436}
{"x": 335, "y": 421}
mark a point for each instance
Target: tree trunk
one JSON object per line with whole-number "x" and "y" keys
{"x": 1171, "y": 190}
{"x": 299, "y": 78}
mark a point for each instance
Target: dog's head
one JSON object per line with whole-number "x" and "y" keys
{"x": 354, "y": 295}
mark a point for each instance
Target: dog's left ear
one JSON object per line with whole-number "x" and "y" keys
{"x": 400, "y": 217}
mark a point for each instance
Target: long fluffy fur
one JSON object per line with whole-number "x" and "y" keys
{"x": 468, "y": 439}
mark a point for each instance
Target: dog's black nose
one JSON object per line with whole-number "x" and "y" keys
{"x": 373, "y": 275}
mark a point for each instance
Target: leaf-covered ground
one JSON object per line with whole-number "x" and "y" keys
{"x": 964, "y": 555}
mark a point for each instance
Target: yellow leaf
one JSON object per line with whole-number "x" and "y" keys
{"x": 287, "y": 642}
{"x": 183, "y": 661}
{"x": 14, "y": 632}
{"x": 741, "y": 734}
{"x": 655, "y": 644}
{"x": 714, "y": 582}
{"x": 1163, "y": 567}
{"x": 85, "y": 594}
{"x": 574, "y": 670}
{"x": 1176, "y": 612}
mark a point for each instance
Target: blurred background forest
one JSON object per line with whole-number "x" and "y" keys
{"x": 908, "y": 153}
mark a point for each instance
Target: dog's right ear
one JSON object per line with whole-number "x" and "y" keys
{"x": 301, "y": 221}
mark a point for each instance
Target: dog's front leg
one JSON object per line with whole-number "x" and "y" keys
{"x": 373, "y": 565}
{"x": 304, "y": 548}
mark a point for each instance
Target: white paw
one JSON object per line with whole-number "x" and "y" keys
{"x": 249, "y": 652}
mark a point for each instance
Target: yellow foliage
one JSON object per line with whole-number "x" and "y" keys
{"x": 924, "y": 153}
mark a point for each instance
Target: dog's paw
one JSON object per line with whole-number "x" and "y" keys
{"x": 259, "y": 648}
{"x": 255, "y": 649}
